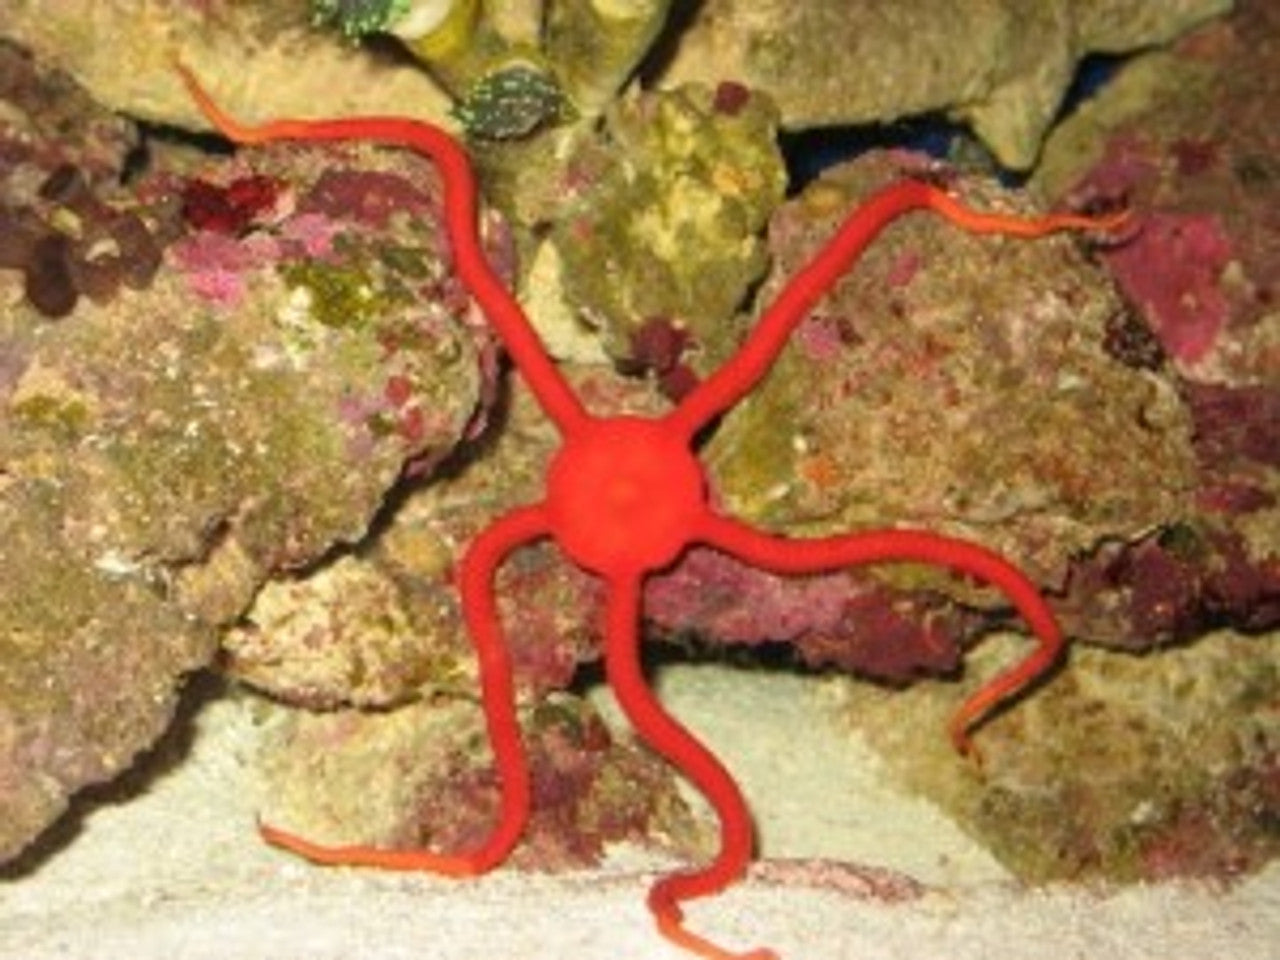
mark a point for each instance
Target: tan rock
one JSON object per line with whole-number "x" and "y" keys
{"x": 1000, "y": 65}
{"x": 263, "y": 58}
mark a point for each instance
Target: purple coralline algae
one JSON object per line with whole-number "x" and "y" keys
{"x": 1171, "y": 270}
{"x": 66, "y": 227}
{"x": 836, "y": 620}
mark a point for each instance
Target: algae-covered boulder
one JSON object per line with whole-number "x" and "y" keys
{"x": 91, "y": 661}
{"x": 1126, "y": 768}
{"x": 955, "y": 383}
{"x": 383, "y": 630}
{"x": 383, "y": 627}
{"x": 423, "y": 776}
{"x": 1189, "y": 137}
{"x": 266, "y": 56}
{"x": 662, "y": 216}
{"x": 1141, "y": 768}
{"x": 171, "y": 441}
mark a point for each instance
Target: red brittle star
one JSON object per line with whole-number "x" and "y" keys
{"x": 626, "y": 496}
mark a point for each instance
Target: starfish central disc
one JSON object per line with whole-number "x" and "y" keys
{"x": 624, "y": 496}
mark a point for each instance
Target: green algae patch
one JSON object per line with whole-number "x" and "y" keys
{"x": 340, "y": 296}
{"x": 667, "y": 221}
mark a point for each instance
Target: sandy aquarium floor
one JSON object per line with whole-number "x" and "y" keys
{"x": 168, "y": 866}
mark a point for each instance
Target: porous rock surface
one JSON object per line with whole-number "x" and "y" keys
{"x": 168, "y": 444}
{"x": 1002, "y": 66}
{"x": 124, "y": 53}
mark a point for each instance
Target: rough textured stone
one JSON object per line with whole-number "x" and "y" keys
{"x": 91, "y": 661}
{"x": 1001, "y": 65}
{"x": 123, "y": 51}
{"x": 662, "y": 215}
{"x": 168, "y": 448}
{"x": 400, "y": 594}
{"x": 1129, "y": 768}
{"x": 1187, "y": 137}
{"x": 422, "y": 776}
{"x": 956, "y": 383}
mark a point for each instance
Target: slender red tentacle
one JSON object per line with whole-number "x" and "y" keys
{"x": 742, "y": 372}
{"x": 478, "y": 569}
{"x": 674, "y": 741}
{"x": 793, "y": 556}
{"x": 460, "y": 209}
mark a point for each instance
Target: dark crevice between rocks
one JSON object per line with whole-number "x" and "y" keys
{"x": 665, "y": 46}
{"x": 809, "y": 153}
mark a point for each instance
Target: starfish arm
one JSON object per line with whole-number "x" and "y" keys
{"x": 674, "y": 741}
{"x": 479, "y": 565}
{"x": 737, "y": 377}
{"x": 460, "y": 213}
{"x": 797, "y": 556}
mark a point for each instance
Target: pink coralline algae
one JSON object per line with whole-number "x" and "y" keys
{"x": 349, "y": 214}
{"x": 1172, "y": 270}
{"x": 1176, "y": 584}
{"x": 1189, "y": 136}
{"x": 370, "y": 197}
{"x": 217, "y": 264}
{"x": 822, "y": 338}
{"x": 708, "y": 589}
